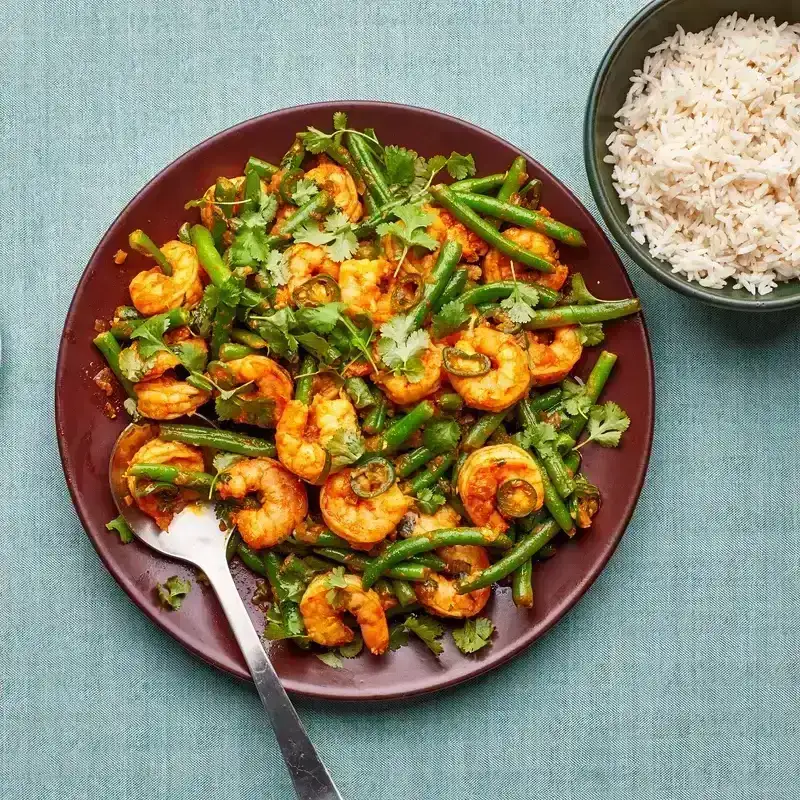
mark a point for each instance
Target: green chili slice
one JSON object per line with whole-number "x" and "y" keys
{"x": 584, "y": 503}
{"x": 373, "y": 478}
{"x": 407, "y": 292}
{"x": 317, "y": 291}
{"x": 324, "y": 472}
{"x": 516, "y": 498}
{"x": 465, "y": 365}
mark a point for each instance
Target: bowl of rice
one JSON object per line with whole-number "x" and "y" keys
{"x": 692, "y": 147}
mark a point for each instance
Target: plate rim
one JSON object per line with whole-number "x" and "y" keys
{"x": 341, "y": 693}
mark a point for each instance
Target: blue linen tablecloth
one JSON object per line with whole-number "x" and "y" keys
{"x": 675, "y": 677}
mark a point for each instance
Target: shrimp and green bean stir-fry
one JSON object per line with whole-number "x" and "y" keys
{"x": 386, "y": 355}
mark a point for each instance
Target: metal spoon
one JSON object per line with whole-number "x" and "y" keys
{"x": 194, "y": 536}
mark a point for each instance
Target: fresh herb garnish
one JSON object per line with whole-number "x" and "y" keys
{"x": 475, "y": 635}
{"x": 172, "y": 592}
{"x": 606, "y": 425}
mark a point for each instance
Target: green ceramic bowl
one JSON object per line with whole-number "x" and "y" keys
{"x": 627, "y": 53}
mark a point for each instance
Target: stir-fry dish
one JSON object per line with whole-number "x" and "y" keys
{"x": 380, "y": 368}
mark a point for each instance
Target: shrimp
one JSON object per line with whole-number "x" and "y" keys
{"x": 366, "y": 285}
{"x": 303, "y": 432}
{"x": 323, "y": 619}
{"x": 339, "y": 183}
{"x": 153, "y": 292}
{"x": 161, "y": 507}
{"x": 281, "y": 506}
{"x": 163, "y": 360}
{"x": 272, "y": 382}
{"x": 362, "y": 521}
{"x": 438, "y": 594}
{"x": 210, "y": 211}
{"x": 508, "y": 378}
{"x": 305, "y": 261}
{"x": 399, "y": 389}
{"x": 497, "y": 267}
{"x": 552, "y": 353}
{"x": 166, "y": 397}
{"x": 485, "y": 471}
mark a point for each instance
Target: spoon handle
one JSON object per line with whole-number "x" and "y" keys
{"x": 311, "y": 779}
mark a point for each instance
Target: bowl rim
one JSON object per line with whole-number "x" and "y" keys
{"x": 660, "y": 270}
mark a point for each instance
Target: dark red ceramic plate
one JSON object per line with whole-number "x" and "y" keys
{"x": 86, "y": 435}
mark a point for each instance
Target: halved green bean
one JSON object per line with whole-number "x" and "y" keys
{"x": 482, "y": 430}
{"x": 435, "y": 284}
{"x": 217, "y": 439}
{"x": 230, "y": 351}
{"x": 109, "y": 347}
{"x": 462, "y": 457}
{"x": 305, "y": 380}
{"x": 487, "y": 183}
{"x": 262, "y": 168}
{"x": 404, "y": 592}
{"x": 403, "y": 427}
{"x": 341, "y": 156}
{"x": 290, "y": 610}
{"x": 249, "y": 338}
{"x": 515, "y": 177}
{"x": 453, "y": 290}
{"x": 583, "y": 315}
{"x": 358, "y": 563}
{"x": 251, "y": 559}
{"x": 314, "y": 210}
{"x": 252, "y": 189}
{"x": 163, "y": 473}
{"x": 465, "y": 215}
{"x": 524, "y": 217}
{"x": 428, "y": 477}
{"x": 225, "y": 194}
{"x": 515, "y": 558}
{"x": 232, "y": 545}
{"x": 547, "y": 401}
{"x": 553, "y": 502}
{"x": 324, "y": 538}
{"x": 572, "y": 460}
{"x": 375, "y": 421}
{"x": 403, "y": 549}
{"x": 142, "y": 243}
{"x": 369, "y": 169}
{"x": 491, "y": 292}
{"x": 449, "y": 402}
{"x": 410, "y": 462}
{"x": 595, "y": 383}
{"x": 550, "y": 457}
{"x": 294, "y": 155}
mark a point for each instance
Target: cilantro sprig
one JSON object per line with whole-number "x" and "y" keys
{"x": 606, "y": 425}
{"x": 335, "y": 234}
{"x": 172, "y": 592}
{"x": 474, "y": 636}
{"x": 400, "y": 347}
{"x": 409, "y": 230}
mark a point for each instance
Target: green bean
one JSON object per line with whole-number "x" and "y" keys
{"x": 403, "y": 549}
{"x": 482, "y": 430}
{"x": 164, "y": 473}
{"x": 465, "y": 215}
{"x": 396, "y": 611}
{"x": 548, "y": 551}
{"x": 449, "y": 402}
{"x": 462, "y": 457}
{"x": 305, "y": 380}
{"x": 550, "y": 457}
{"x": 109, "y": 347}
{"x": 446, "y": 263}
{"x": 572, "y": 461}
{"x": 429, "y": 560}
{"x": 428, "y": 477}
{"x": 402, "y": 428}
{"x": 251, "y": 559}
{"x": 252, "y": 189}
{"x": 216, "y": 439}
{"x": 230, "y": 351}
{"x": 583, "y": 315}
{"x": 375, "y": 421}
{"x": 524, "y": 217}
{"x": 341, "y": 156}
{"x": 326, "y": 538}
{"x": 404, "y": 592}
{"x": 358, "y": 563}
{"x": 142, "y": 243}
{"x": 515, "y": 177}
{"x": 263, "y": 169}
{"x": 522, "y": 585}
{"x": 249, "y": 338}
{"x": 290, "y": 610}
{"x": 552, "y": 500}
{"x": 491, "y": 292}
{"x": 547, "y": 401}
{"x": 369, "y": 169}
{"x": 359, "y": 392}
{"x": 483, "y": 185}
{"x": 595, "y": 383}
{"x": 316, "y": 208}
{"x": 232, "y": 545}
{"x": 453, "y": 290}
{"x": 294, "y": 155}
{"x": 410, "y": 462}
{"x": 519, "y": 554}
{"x": 294, "y": 566}
{"x": 221, "y": 327}
{"x": 225, "y": 194}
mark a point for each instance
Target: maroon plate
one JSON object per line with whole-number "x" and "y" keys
{"x": 86, "y": 435}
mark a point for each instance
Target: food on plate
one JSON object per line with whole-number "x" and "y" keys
{"x": 706, "y": 153}
{"x": 388, "y": 359}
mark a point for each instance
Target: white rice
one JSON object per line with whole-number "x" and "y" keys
{"x": 706, "y": 153}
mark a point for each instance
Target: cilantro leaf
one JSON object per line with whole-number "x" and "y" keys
{"x": 276, "y": 329}
{"x": 339, "y": 120}
{"x": 520, "y": 304}
{"x": 274, "y": 629}
{"x": 475, "y": 634}
{"x": 335, "y": 581}
{"x": 460, "y": 167}
{"x": 132, "y": 365}
{"x": 451, "y": 317}
{"x": 576, "y": 402}
{"x": 311, "y": 233}
{"x": 149, "y": 334}
{"x": 304, "y": 190}
{"x": 250, "y": 243}
{"x": 276, "y": 265}
{"x": 428, "y": 630}
{"x": 343, "y": 246}
{"x": 607, "y": 423}
{"x": 591, "y": 334}
{"x": 314, "y": 140}
{"x": 231, "y": 405}
{"x": 193, "y": 355}
{"x": 398, "y": 636}
{"x": 579, "y": 294}
{"x": 318, "y": 346}
{"x": 330, "y": 658}
{"x": 121, "y": 528}
{"x": 221, "y": 462}
{"x": 411, "y": 233}
{"x": 320, "y": 319}
{"x": 172, "y": 592}
{"x": 399, "y": 165}
{"x": 430, "y": 500}
{"x": 400, "y": 349}
{"x": 352, "y": 649}
{"x": 540, "y": 434}
{"x": 345, "y": 447}
{"x": 336, "y": 234}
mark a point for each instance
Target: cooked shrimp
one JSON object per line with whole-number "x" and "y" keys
{"x": 210, "y": 212}
{"x": 508, "y": 378}
{"x": 168, "y": 398}
{"x": 362, "y": 521}
{"x": 153, "y": 292}
{"x": 159, "y": 506}
{"x": 553, "y": 353}
{"x": 438, "y": 594}
{"x": 303, "y": 431}
{"x": 282, "y": 501}
{"x": 305, "y": 261}
{"x": 399, "y": 389}
{"x": 164, "y": 360}
{"x": 272, "y": 382}
{"x": 338, "y": 182}
{"x": 366, "y": 285}
{"x": 485, "y": 471}
{"x": 497, "y": 267}
{"x": 323, "y": 619}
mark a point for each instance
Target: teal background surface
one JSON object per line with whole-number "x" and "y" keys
{"x": 675, "y": 677}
